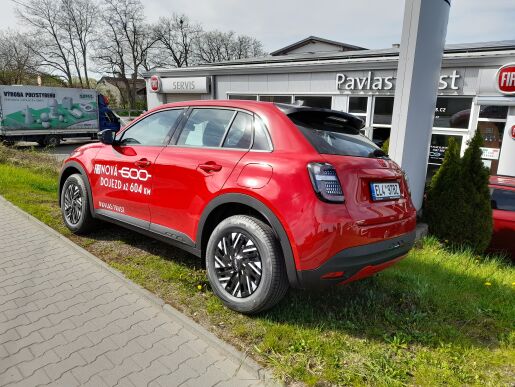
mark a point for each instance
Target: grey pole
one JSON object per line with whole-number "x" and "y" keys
{"x": 420, "y": 59}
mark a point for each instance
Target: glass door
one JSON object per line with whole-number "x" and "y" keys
{"x": 491, "y": 123}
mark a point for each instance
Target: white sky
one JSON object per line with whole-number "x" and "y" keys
{"x": 367, "y": 23}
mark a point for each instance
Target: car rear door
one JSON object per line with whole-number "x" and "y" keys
{"x": 123, "y": 174}
{"x": 503, "y": 208}
{"x": 195, "y": 166}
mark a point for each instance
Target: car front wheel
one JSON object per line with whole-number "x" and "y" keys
{"x": 245, "y": 266}
{"x": 75, "y": 207}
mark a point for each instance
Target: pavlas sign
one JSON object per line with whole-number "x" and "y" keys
{"x": 371, "y": 82}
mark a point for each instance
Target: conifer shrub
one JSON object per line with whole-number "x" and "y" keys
{"x": 457, "y": 208}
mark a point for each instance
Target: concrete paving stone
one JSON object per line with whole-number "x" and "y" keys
{"x": 120, "y": 370}
{"x": 85, "y": 373}
{"x": 92, "y": 352}
{"x": 65, "y": 380}
{"x": 68, "y": 320}
{"x": 37, "y": 378}
{"x": 177, "y": 377}
{"x": 56, "y": 370}
{"x": 29, "y": 368}
{"x": 11, "y": 376}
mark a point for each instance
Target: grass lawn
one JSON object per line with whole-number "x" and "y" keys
{"x": 438, "y": 317}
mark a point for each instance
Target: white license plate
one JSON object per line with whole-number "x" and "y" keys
{"x": 385, "y": 191}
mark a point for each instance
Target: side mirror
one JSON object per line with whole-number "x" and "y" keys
{"x": 106, "y": 136}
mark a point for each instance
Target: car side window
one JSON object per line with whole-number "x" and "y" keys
{"x": 240, "y": 132}
{"x": 503, "y": 199}
{"x": 261, "y": 138}
{"x": 206, "y": 127}
{"x": 152, "y": 130}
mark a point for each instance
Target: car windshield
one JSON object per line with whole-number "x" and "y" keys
{"x": 335, "y": 134}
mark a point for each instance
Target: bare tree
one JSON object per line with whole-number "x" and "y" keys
{"x": 79, "y": 19}
{"x": 123, "y": 44}
{"x": 44, "y": 16}
{"x": 177, "y": 37}
{"x": 217, "y": 46}
{"x": 17, "y": 63}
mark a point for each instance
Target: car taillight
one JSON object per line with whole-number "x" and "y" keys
{"x": 325, "y": 182}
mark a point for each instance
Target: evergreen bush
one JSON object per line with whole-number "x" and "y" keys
{"x": 458, "y": 199}
{"x": 475, "y": 178}
{"x": 386, "y": 146}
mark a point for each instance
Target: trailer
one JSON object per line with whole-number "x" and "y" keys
{"x": 47, "y": 115}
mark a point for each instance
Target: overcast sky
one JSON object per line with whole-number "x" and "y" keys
{"x": 367, "y": 23}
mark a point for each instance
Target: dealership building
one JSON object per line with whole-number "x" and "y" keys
{"x": 476, "y": 90}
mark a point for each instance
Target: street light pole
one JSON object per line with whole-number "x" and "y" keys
{"x": 420, "y": 60}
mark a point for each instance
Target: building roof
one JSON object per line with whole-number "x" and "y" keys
{"x": 339, "y": 46}
{"x": 118, "y": 81}
{"x": 458, "y": 54}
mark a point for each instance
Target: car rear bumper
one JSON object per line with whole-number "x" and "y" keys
{"x": 357, "y": 262}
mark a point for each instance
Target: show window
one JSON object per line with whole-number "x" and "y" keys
{"x": 276, "y": 98}
{"x": 437, "y": 149}
{"x": 315, "y": 101}
{"x": 383, "y": 110}
{"x": 452, "y": 112}
{"x": 243, "y": 96}
{"x": 358, "y": 105}
{"x": 491, "y": 123}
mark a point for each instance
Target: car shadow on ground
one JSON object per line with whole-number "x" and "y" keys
{"x": 423, "y": 302}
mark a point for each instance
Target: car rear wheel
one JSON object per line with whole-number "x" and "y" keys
{"x": 245, "y": 266}
{"x": 75, "y": 207}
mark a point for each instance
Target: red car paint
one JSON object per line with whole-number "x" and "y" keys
{"x": 503, "y": 238}
{"x": 185, "y": 180}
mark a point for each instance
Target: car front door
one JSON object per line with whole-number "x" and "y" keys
{"x": 195, "y": 166}
{"x": 123, "y": 174}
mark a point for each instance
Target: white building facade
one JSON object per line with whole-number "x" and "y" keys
{"x": 476, "y": 90}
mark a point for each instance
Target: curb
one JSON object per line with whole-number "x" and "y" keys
{"x": 263, "y": 374}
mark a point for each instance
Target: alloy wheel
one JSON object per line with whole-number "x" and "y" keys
{"x": 73, "y": 204}
{"x": 238, "y": 265}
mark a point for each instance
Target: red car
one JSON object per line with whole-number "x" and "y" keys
{"x": 269, "y": 195}
{"x": 502, "y": 191}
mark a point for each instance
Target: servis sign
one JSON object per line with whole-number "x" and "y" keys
{"x": 505, "y": 79}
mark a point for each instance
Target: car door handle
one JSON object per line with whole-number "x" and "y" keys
{"x": 142, "y": 163}
{"x": 210, "y": 166}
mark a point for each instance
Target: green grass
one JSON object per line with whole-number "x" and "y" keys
{"x": 438, "y": 317}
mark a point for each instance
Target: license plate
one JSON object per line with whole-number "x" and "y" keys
{"x": 385, "y": 191}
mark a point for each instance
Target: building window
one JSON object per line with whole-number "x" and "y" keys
{"x": 383, "y": 110}
{"x": 315, "y": 101}
{"x": 276, "y": 98}
{"x": 491, "y": 123}
{"x": 243, "y": 96}
{"x": 437, "y": 148}
{"x": 382, "y": 119}
{"x": 358, "y": 105}
{"x": 452, "y": 112}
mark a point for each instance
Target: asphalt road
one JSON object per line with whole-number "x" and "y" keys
{"x": 62, "y": 151}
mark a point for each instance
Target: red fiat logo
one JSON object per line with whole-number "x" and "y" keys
{"x": 513, "y": 132}
{"x": 506, "y": 79}
{"x": 155, "y": 83}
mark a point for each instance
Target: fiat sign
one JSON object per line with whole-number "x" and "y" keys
{"x": 155, "y": 84}
{"x": 506, "y": 79}
{"x": 513, "y": 132}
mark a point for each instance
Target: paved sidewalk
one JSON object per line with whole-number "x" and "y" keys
{"x": 68, "y": 319}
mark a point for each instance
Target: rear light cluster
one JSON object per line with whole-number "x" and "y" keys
{"x": 325, "y": 182}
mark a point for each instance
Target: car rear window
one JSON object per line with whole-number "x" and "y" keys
{"x": 334, "y": 133}
{"x": 503, "y": 200}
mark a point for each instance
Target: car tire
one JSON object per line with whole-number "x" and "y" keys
{"x": 52, "y": 141}
{"x": 75, "y": 208}
{"x": 251, "y": 259}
